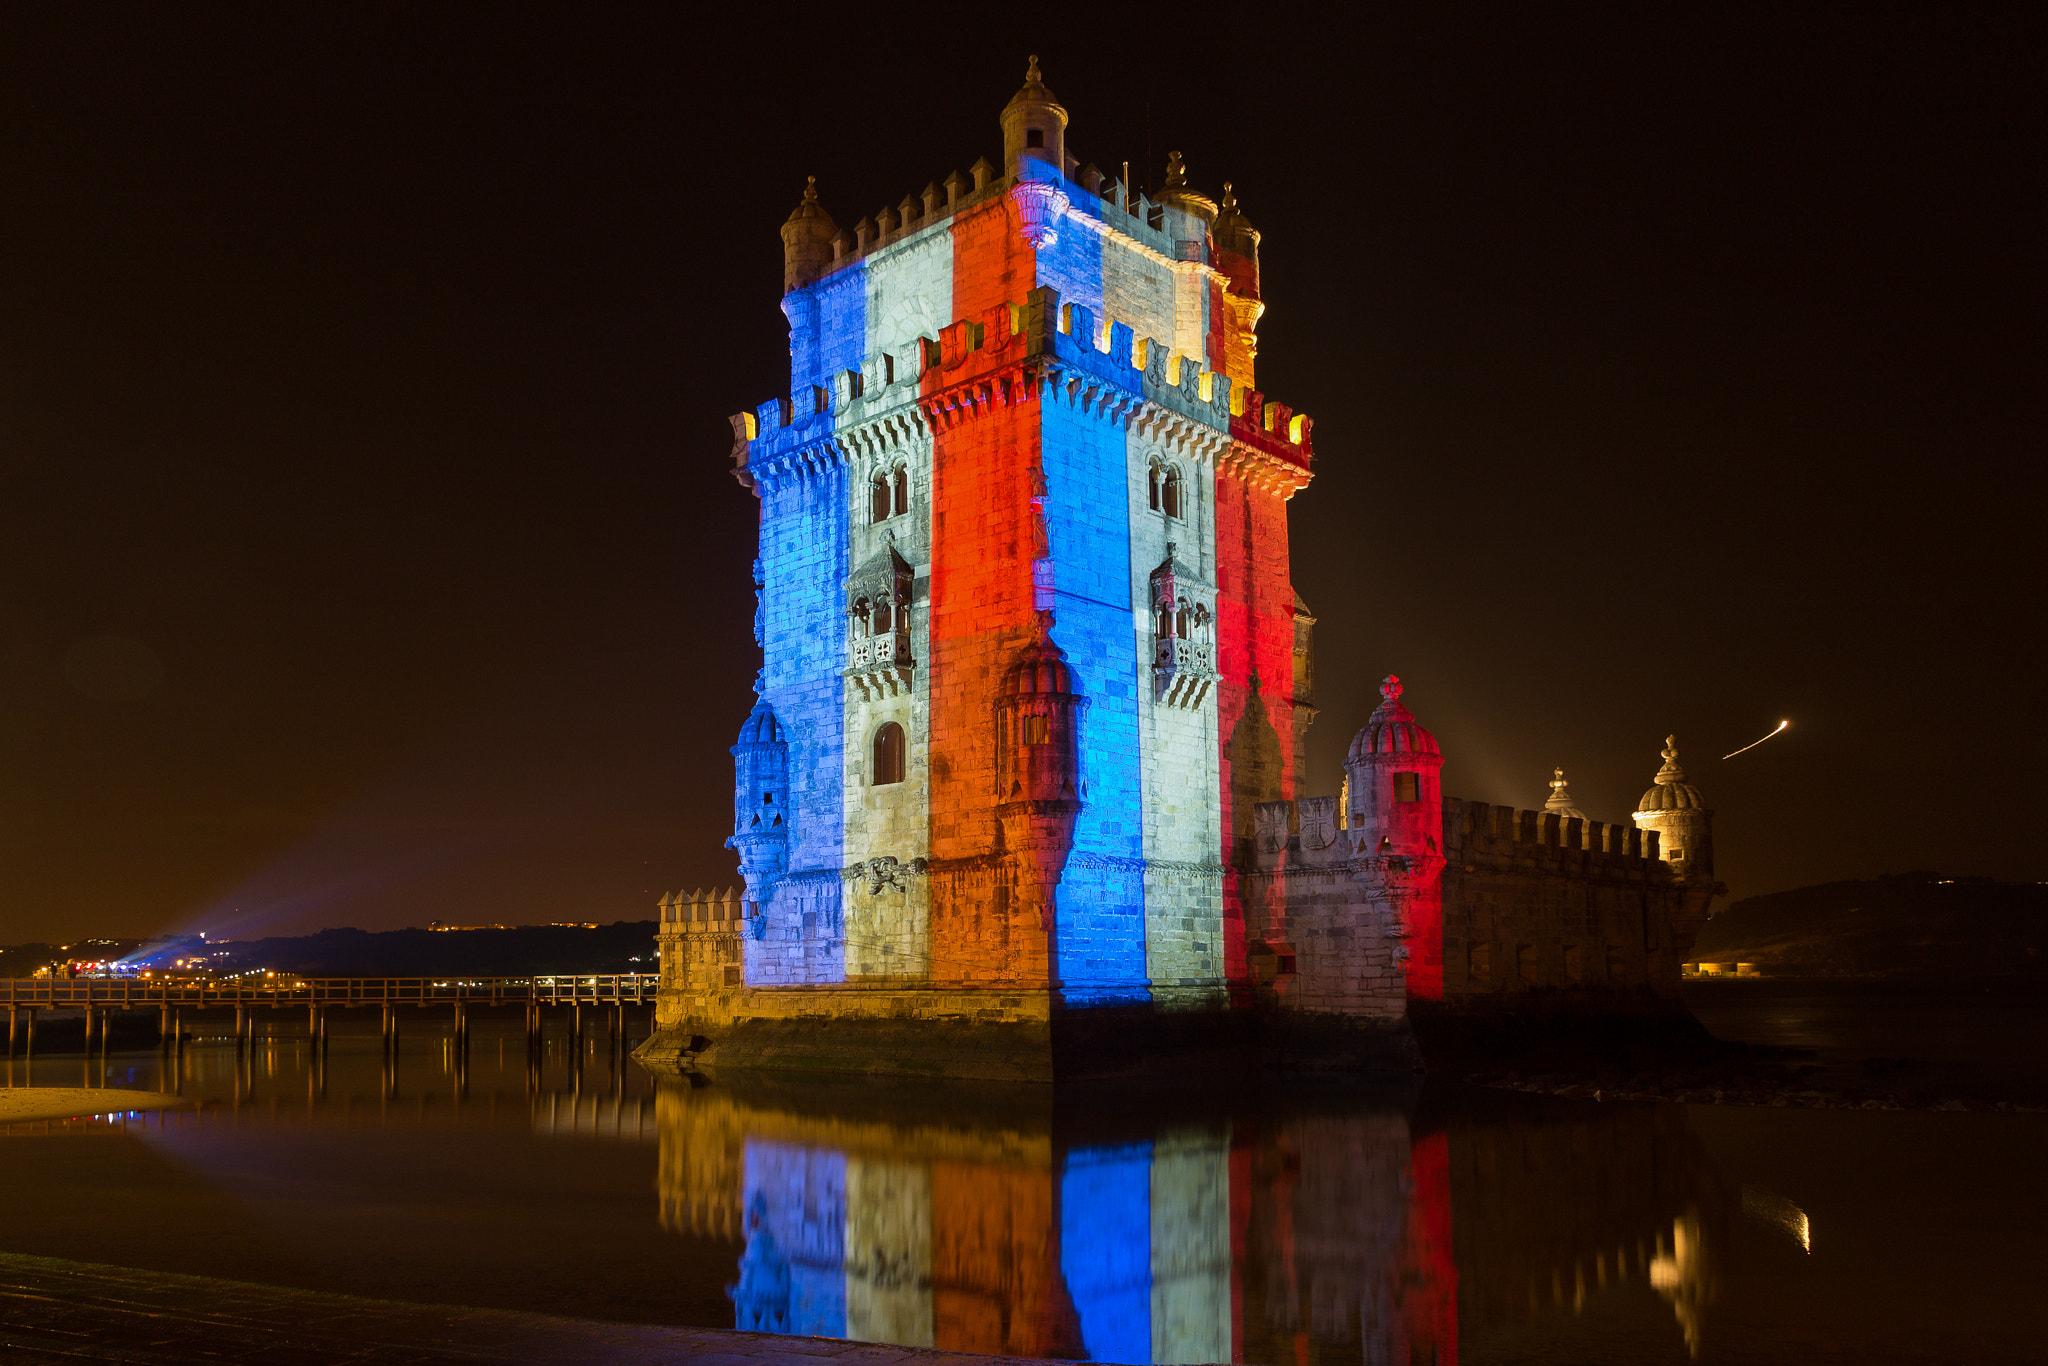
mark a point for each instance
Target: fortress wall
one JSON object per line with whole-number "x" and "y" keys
{"x": 1534, "y": 902}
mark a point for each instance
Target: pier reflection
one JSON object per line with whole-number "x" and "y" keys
{"x": 1270, "y": 1229}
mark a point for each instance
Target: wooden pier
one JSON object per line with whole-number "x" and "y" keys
{"x": 100, "y": 998}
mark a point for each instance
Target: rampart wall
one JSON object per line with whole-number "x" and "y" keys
{"x": 1535, "y": 902}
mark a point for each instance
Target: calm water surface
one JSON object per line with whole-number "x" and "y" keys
{"x": 1289, "y": 1226}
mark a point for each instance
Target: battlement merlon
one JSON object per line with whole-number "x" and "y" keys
{"x": 1017, "y": 352}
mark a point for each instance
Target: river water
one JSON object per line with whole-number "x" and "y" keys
{"x": 1292, "y": 1225}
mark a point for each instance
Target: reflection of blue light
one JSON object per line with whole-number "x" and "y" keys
{"x": 793, "y": 1275}
{"x": 1106, "y": 1248}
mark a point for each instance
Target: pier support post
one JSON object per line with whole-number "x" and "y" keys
{"x": 163, "y": 1028}
{"x": 92, "y": 1020}
{"x": 241, "y": 1027}
{"x": 13, "y": 1029}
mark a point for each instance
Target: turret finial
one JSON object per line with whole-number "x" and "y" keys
{"x": 1560, "y": 799}
{"x": 1671, "y": 772}
{"x": 1031, "y": 71}
{"x": 1390, "y": 688}
{"x": 1176, "y": 172}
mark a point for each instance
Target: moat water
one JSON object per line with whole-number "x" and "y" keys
{"x": 1292, "y": 1225}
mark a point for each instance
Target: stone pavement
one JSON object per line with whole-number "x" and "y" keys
{"x": 65, "y": 1312}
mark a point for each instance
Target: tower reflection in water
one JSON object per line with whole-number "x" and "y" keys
{"x": 1263, "y": 1233}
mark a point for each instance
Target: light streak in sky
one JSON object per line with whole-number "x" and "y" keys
{"x": 1754, "y": 743}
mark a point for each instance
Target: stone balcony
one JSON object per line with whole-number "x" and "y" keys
{"x": 1182, "y": 671}
{"x": 880, "y": 666}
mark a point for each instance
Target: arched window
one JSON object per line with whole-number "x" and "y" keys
{"x": 1152, "y": 482}
{"x": 860, "y": 617}
{"x": 1037, "y": 730}
{"x": 1180, "y": 623}
{"x": 882, "y": 623}
{"x": 889, "y": 754}
{"x": 878, "y": 499}
{"x": 1171, "y": 495}
{"x": 902, "y": 490}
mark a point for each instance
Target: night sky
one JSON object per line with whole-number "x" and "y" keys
{"x": 368, "y": 553}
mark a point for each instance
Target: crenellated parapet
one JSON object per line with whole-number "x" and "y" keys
{"x": 699, "y": 939}
{"x": 1477, "y": 830}
{"x": 1032, "y": 351}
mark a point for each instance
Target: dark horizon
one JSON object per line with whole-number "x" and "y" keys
{"x": 371, "y": 555}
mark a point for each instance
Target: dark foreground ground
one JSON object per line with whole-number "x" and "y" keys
{"x": 56, "y": 1311}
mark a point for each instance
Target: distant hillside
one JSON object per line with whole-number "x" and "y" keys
{"x": 1903, "y": 925}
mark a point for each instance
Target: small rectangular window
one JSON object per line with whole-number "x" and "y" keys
{"x": 1037, "y": 730}
{"x": 1285, "y": 965}
{"x": 1407, "y": 788}
{"x": 1034, "y": 137}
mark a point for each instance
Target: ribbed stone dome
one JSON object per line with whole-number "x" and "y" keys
{"x": 761, "y": 727}
{"x": 809, "y": 208}
{"x": 1041, "y": 668}
{"x": 1033, "y": 93}
{"x": 1671, "y": 792}
{"x": 1392, "y": 729}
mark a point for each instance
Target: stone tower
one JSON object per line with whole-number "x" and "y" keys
{"x": 1674, "y": 809}
{"x": 1031, "y": 652}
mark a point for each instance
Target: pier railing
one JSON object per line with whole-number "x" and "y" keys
{"x": 448, "y": 989}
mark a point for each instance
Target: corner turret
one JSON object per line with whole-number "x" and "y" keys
{"x": 1180, "y": 195}
{"x": 1674, "y": 808}
{"x": 1034, "y": 127}
{"x": 807, "y": 240}
{"x": 1237, "y": 246}
{"x": 1038, "y": 766}
{"x": 1393, "y": 780}
{"x": 761, "y": 800}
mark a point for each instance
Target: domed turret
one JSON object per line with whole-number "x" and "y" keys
{"x": 1392, "y": 730}
{"x": 1393, "y": 781}
{"x": 1237, "y": 246}
{"x": 1038, "y": 768}
{"x": 1674, "y": 808}
{"x": 806, "y": 240}
{"x": 1670, "y": 791}
{"x": 1034, "y": 126}
{"x": 1177, "y": 193}
{"x": 761, "y": 800}
{"x": 1559, "y": 803}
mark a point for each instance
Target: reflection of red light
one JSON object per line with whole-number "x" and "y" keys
{"x": 1429, "y": 1309}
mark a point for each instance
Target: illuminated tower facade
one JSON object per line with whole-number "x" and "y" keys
{"x": 1030, "y": 649}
